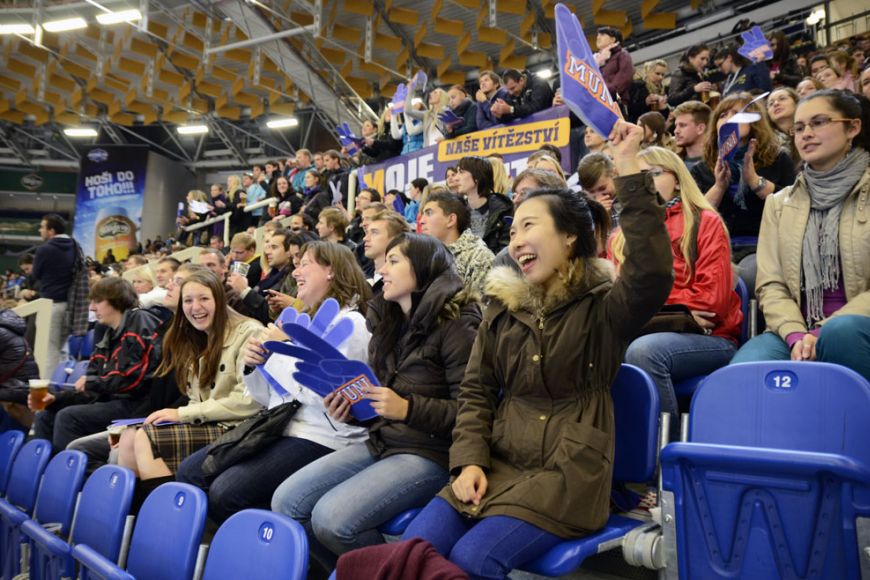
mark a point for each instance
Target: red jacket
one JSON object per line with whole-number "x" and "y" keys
{"x": 711, "y": 288}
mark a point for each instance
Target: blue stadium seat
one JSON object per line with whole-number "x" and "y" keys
{"x": 60, "y": 377}
{"x": 397, "y": 525}
{"x": 258, "y": 544}
{"x": 636, "y": 415}
{"x": 686, "y": 388}
{"x": 20, "y": 499}
{"x": 99, "y": 523}
{"x": 81, "y": 347}
{"x": 56, "y": 500}
{"x": 774, "y": 480}
{"x": 165, "y": 540}
{"x": 10, "y": 443}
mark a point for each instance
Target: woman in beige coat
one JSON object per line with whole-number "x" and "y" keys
{"x": 204, "y": 349}
{"x": 532, "y": 450}
{"x": 814, "y": 249}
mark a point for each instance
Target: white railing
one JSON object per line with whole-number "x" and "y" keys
{"x": 225, "y": 217}
{"x": 41, "y": 308}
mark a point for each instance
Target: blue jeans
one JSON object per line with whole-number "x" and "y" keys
{"x": 487, "y": 548}
{"x": 251, "y": 483}
{"x": 671, "y": 357}
{"x": 342, "y": 498}
{"x": 844, "y": 340}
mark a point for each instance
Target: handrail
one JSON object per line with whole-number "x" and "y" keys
{"x": 224, "y": 217}
{"x": 42, "y": 309}
{"x": 272, "y": 201}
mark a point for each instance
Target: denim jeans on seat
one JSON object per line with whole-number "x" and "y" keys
{"x": 342, "y": 498}
{"x": 671, "y": 357}
{"x": 488, "y": 548}
{"x": 844, "y": 340}
{"x": 250, "y": 483}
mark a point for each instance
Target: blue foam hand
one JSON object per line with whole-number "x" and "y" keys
{"x": 420, "y": 80}
{"x": 397, "y": 105}
{"x": 288, "y": 316}
{"x": 449, "y": 118}
{"x": 755, "y": 47}
{"x": 291, "y": 350}
{"x": 350, "y": 371}
{"x": 324, "y": 316}
{"x": 729, "y": 138}
{"x": 309, "y": 340}
{"x": 340, "y": 332}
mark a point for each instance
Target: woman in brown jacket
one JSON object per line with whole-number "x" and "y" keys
{"x": 532, "y": 449}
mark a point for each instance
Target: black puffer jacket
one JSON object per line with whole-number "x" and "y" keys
{"x": 682, "y": 87}
{"x": 497, "y": 231}
{"x": 17, "y": 365}
{"x": 426, "y": 368}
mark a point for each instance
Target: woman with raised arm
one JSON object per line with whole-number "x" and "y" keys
{"x": 532, "y": 454}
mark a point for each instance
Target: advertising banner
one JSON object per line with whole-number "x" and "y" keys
{"x": 109, "y": 199}
{"x": 515, "y": 142}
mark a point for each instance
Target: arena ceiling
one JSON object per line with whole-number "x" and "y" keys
{"x": 233, "y": 64}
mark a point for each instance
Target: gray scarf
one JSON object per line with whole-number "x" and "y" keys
{"x": 820, "y": 266}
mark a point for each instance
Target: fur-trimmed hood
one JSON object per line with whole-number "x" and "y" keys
{"x": 511, "y": 289}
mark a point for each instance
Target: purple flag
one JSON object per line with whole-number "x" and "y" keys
{"x": 583, "y": 86}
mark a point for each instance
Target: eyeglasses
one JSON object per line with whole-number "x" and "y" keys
{"x": 816, "y": 123}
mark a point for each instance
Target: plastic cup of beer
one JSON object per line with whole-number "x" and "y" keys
{"x": 115, "y": 434}
{"x": 240, "y": 268}
{"x": 38, "y": 393}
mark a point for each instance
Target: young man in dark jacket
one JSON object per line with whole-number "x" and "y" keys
{"x": 53, "y": 267}
{"x": 527, "y": 94}
{"x": 119, "y": 372}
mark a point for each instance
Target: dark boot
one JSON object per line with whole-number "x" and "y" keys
{"x": 144, "y": 487}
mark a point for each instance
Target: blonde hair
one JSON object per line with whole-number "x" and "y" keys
{"x": 234, "y": 185}
{"x": 198, "y": 195}
{"x": 693, "y": 202}
{"x": 431, "y": 116}
{"x": 501, "y": 181}
{"x": 653, "y": 88}
{"x": 557, "y": 169}
{"x": 145, "y": 272}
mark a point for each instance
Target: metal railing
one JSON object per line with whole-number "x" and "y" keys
{"x": 225, "y": 217}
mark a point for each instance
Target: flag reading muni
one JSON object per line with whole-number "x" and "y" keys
{"x": 583, "y": 87}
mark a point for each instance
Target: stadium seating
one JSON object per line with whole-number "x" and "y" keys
{"x": 258, "y": 544}
{"x": 774, "y": 480}
{"x": 67, "y": 373}
{"x": 165, "y": 541}
{"x": 10, "y": 443}
{"x": 20, "y": 499}
{"x": 101, "y": 523}
{"x": 81, "y": 347}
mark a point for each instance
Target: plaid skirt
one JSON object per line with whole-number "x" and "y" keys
{"x": 173, "y": 443}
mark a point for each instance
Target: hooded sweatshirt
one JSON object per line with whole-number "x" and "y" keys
{"x": 53, "y": 267}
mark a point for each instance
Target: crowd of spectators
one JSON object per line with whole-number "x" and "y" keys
{"x": 494, "y": 312}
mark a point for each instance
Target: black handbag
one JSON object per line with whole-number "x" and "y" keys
{"x": 672, "y": 318}
{"x": 247, "y": 438}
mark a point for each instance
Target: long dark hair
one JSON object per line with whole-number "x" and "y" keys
{"x": 429, "y": 260}
{"x": 571, "y": 215}
{"x": 190, "y": 352}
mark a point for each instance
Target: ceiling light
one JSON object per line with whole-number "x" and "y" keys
{"x": 117, "y": 17}
{"x": 282, "y": 123}
{"x": 192, "y": 129}
{"x": 544, "y": 73}
{"x": 80, "y": 132}
{"x": 66, "y": 24}
{"x": 16, "y": 29}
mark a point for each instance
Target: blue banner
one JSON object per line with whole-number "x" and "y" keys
{"x": 109, "y": 198}
{"x": 514, "y": 142}
{"x": 583, "y": 86}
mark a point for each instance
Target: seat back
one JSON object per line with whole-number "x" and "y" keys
{"x": 804, "y": 406}
{"x": 636, "y": 414}
{"x": 62, "y": 372}
{"x": 26, "y": 471}
{"x": 81, "y": 347}
{"x": 103, "y": 509}
{"x": 258, "y": 544}
{"x": 167, "y": 534}
{"x": 774, "y": 480}
{"x": 61, "y": 483}
{"x": 80, "y": 369}
{"x": 10, "y": 443}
